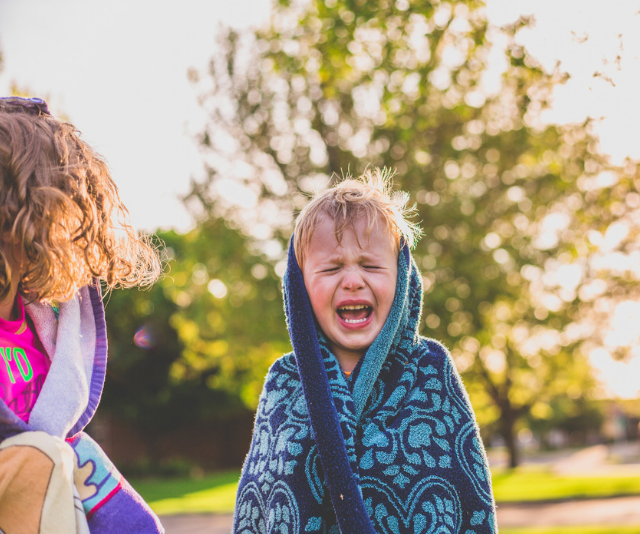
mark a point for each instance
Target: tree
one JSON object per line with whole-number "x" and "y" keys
{"x": 508, "y": 203}
{"x": 197, "y": 345}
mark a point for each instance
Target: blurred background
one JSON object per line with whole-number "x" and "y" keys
{"x": 513, "y": 124}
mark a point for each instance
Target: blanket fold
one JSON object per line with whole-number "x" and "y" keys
{"x": 37, "y": 490}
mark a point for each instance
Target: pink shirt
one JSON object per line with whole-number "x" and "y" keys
{"x": 24, "y": 364}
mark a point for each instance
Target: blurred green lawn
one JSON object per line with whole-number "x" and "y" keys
{"x": 612, "y": 529}
{"x": 215, "y": 493}
{"x": 540, "y": 484}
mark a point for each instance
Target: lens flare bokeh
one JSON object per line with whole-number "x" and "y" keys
{"x": 144, "y": 338}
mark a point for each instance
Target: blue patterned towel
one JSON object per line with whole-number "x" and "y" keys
{"x": 392, "y": 449}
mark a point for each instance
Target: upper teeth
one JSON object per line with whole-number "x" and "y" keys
{"x": 356, "y": 307}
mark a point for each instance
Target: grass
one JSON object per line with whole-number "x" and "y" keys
{"x": 626, "y": 529}
{"x": 215, "y": 493}
{"x": 530, "y": 484}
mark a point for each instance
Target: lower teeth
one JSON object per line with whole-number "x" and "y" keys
{"x": 355, "y": 321}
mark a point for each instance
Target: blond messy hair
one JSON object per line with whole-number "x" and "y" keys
{"x": 369, "y": 197}
{"x": 59, "y": 207}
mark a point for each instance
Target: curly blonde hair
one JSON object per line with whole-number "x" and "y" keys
{"x": 60, "y": 208}
{"x": 369, "y": 197}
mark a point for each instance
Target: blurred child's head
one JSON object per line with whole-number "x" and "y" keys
{"x": 346, "y": 242}
{"x": 369, "y": 198}
{"x": 62, "y": 222}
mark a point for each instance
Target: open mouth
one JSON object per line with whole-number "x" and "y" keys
{"x": 355, "y": 314}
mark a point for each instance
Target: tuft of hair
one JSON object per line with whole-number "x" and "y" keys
{"x": 369, "y": 197}
{"x": 60, "y": 208}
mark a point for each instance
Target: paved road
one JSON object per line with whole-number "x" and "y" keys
{"x": 617, "y": 511}
{"x": 197, "y": 524}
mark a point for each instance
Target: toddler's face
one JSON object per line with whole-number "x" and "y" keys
{"x": 351, "y": 286}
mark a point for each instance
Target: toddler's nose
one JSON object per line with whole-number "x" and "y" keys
{"x": 352, "y": 280}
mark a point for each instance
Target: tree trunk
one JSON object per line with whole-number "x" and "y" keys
{"x": 507, "y": 425}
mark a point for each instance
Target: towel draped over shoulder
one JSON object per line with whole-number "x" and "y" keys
{"x": 75, "y": 339}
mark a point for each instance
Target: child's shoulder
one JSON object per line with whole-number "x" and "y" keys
{"x": 435, "y": 360}
{"x": 281, "y": 383}
{"x": 433, "y": 357}
{"x": 433, "y": 352}
{"x": 284, "y": 366}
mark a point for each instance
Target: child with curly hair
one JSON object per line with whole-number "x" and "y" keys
{"x": 64, "y": 232}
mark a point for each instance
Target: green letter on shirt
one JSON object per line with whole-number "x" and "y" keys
{"x": 6, "y": 356}
{"x": 28, "y": 374}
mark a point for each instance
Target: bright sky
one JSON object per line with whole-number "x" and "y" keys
{"x": 118, "y": 70}
{"x": 587, "y": 37}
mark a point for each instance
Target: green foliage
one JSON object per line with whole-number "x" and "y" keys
{"x": 579, "y": 417}
{"x": 205, "y": 334}
{"x": 512, "y": 208}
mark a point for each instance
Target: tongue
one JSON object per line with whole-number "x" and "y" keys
{"x": 354, "y": 315}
